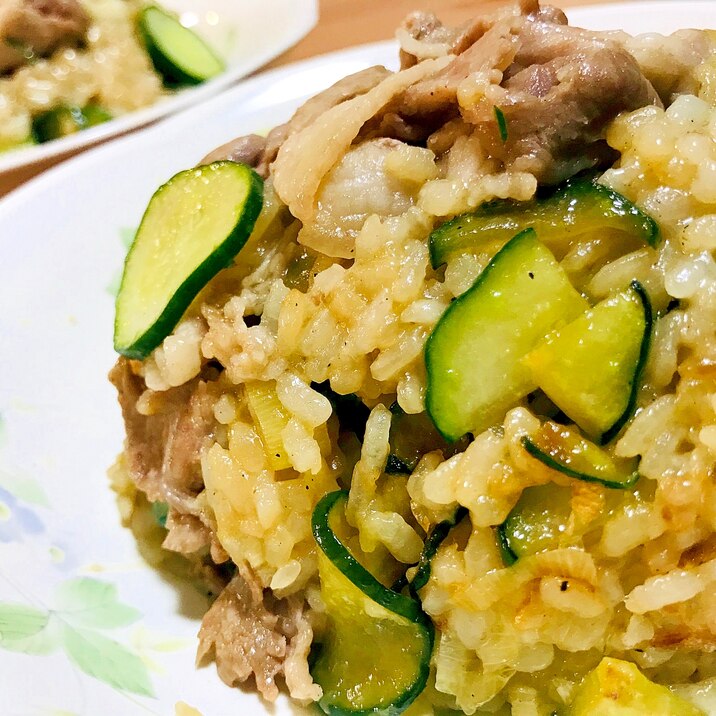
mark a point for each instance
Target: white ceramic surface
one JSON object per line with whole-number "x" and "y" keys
{"x": 246, "y": 33}
{"x": 85, "y": 627}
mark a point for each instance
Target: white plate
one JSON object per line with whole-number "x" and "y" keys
{"x": 246, "y": 33}
{"x": 61, "y": 428}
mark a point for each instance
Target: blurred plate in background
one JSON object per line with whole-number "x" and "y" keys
{"x": 245, "y": 33}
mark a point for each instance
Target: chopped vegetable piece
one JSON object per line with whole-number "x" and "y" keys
{"x": 577, "y": 207}
{"x": 270, "y": 418}
{"x": 64, "y": 120}
{"x": 411, "y": 436}
{"x": 537, "y": 522}
{"x": 94, "y": 114}
{"x": 160, "y": 511}
{"x": 501, "y": 123}
{"x": 591, "y": 368}
{"x": 178, "y": 54}
{"x": 618, "y": 688}
{"x": 568, "y": 452}
{"x": 375, "y": 656}
{"x": 193, "y": 227}
{"x": 474, "y": 355}
{"x": 432, "y": 544}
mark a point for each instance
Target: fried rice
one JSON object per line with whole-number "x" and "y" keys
{"x": 335, "y": 289}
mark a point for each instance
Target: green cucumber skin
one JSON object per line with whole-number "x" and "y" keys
{"x": 436, "y": 537}
{"x": 348, "y": 565}
{"x": 506, "y": 218}
{"x": 549, "y": 461}
{"x": 172, "y": 74}
{"x": 640, "y": 291}
{"x": 399, "y": 604}
{"x": 52, "y": 124}
{"x": 220, "y": 258}
{"x": 506, "y": 552}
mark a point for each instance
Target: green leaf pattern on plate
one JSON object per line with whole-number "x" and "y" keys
{"x": 83, "y": 607}
{"x": 24, "y": 488}
{"x": 18, "y": 621}
{"x": 93, "y": 604}
{"x": 106, "y": 660}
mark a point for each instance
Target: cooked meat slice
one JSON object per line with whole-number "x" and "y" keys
{"x": 38, "y": 28}
{"x": 248, "y": 149}
{"x": 259, "y": 152}
{"x": 557, "y": 87}
{"x": 422, "y": 34}
{"x": 548, "y": 14}
{"x": 299, "y": 169}
{"x": 437, "y": 96}
{"x": 342, "y": 91}
{"x": 589, "y": 78}
{"x": 186, "y": 534}
{"x": 163, "y": 449}
{"x": 248, "y": 631}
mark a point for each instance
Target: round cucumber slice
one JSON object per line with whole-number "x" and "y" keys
{"x": 193, "y": 227}
{"x": 375, "y": 655}
{"x": 178, "y": 54}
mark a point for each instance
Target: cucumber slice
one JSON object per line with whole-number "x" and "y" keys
{"x": 436, "y": 537}
{"x": 591, "y": 368}
{"x": 568, "y": 452}
{"x": 64, "y": 120}
{"x": 578, "y": 207}
{"x": 193, "y": 227}
{"x": 474, "y": 356}
{"x": 536, "y": 523}
{"x": 375, "y": 657}
{"x": 94, "y": 115}
{"x": 618, "y": 688}
{"x": 178, "y": 54}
